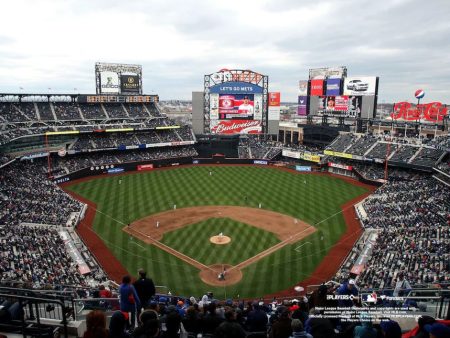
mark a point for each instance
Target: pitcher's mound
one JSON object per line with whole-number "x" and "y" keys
{"x": 220, "y": 240}
{"x": 210, "y": 275}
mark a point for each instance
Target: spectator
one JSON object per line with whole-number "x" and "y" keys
{"x": 298, "y": 331}
{"x": 230, "y": 328}
{"x": 391, "y": 329}
{"x": 118, "y": 325}
{"x": 145, "y": 289}
{"x": 257, "y": 319}
{"x": 96, "y": 325}
{"x": 347, "y": 289}
{"x": 129, "y": 299}
{"x": 281, "y": 328}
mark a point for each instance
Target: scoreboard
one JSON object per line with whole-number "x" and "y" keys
{"x": 118, "y": 98}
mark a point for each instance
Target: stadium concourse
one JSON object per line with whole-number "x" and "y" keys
{"x": 406, "y": 223}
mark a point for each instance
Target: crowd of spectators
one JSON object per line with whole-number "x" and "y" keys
{"x": 29, "y": 118}
{"x": 67, "y": 111}
{"x": 68, "y": 164}
{"x": 26, "y": 195}
{"x": 169, "y": 316}
{"x": 253, "y": 147}
{"x": 45, "y": 111}
{"x": 36, "y": 255}
{"x": 403, "y": 149}
{"x": 413, "y": 216}
{"x": 113, "y": 140}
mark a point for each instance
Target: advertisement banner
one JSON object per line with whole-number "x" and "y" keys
{"x": 143, "y": 167}
{"x": 214, "y": 106}
{"x": 302, "y": 168}
{"x": 290, "y": 153}
{"x": 303, "y": 88}
{"x": 274, "y": 113}
{"x": 129, "y": 84}
{"x": 427, "y": 112}
{"x": 340, "y": 166}
{"x": 116, "y": 170}
{"x": 257, "y": 103}
{"x": 316, "y": 87}
{"x": 238, "y": 106}
{"x": 310, "y": 157}
{"x": 333, "y": 87}
{"x": 360, "y": 85}
{"x": 109, "y": 83}
{"x": 337, "y": 154}
{"x": 236, "y": 127}
{"x": 236, "y": 88}
{"x": 328, "y": 72}
{"x": 260, "y": 162}
{"x": 302, "y": 109}
{"x": 274, "y": 99}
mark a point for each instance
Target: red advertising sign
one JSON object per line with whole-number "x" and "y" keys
{"x": 316, "y": 87}
{"x": 340, "y": 166}
{"x": 432, "y": 112}
{"x": 145, "y": 167}
{"x": 236, "y": 127}
{"x": 274, "y": 99}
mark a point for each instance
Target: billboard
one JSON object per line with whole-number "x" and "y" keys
{"x": 303, "y": 88}
{"x": 316, "y": 87}
{"x": 328, "y": 72}
{"x": 129, "y": 84}
{"x": 333, "y": 87}
{"x": 302, "y": 109}
{"x": 230, "y": 127}
{"x": 425, "y": 112}
{"x": 236, "y": 87}
{"x": 109, "y": 82}
{"x": 274, "y": 106}
{"x": 360, "y": 85}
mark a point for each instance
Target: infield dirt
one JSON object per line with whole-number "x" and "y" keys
{"x": 151, "y": 229}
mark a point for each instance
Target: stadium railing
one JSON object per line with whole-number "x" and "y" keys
{"x": 33, "y": 315}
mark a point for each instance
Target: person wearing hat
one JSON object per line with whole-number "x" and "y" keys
{"x": 438, "y": 330}
{"x": 347, "y": 289}
{"x": 246, "y": 107}
{"x": 281, "y": 327}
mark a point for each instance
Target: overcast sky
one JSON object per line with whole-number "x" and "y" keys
{"x": 56, "y": 43}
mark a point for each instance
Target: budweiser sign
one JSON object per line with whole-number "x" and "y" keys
{"x": 237, "y": 127}
{"x": 432, "y": 112}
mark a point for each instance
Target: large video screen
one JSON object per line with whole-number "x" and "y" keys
{"x": 340, "y": 105}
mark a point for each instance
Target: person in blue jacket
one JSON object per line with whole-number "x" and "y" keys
{"x": 129, "y": 299}
{"x": 348, "y": 288}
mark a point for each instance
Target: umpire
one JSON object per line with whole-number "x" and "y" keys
{"x": 145, "y": 289}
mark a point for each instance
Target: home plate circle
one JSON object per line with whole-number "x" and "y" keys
{"x": 221, "y": 239}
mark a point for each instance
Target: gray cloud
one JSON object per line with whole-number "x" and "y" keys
{"x": 177, "y": 42}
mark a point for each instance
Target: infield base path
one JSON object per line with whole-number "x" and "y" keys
{"x": 152, "y": 228}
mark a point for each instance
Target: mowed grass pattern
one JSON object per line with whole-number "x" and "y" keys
{"x": 246, "y": 241}
{"x": 313, "y": 198}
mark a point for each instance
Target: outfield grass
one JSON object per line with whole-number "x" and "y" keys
{"x": 312, "y": 198}
{"x": 193, "y": 241}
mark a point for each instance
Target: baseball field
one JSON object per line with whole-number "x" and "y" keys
{"x": 278, "y": 226}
